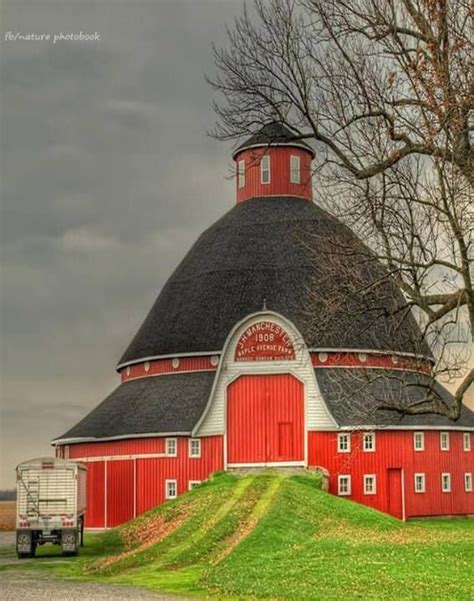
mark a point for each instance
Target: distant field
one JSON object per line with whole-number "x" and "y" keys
{"x": 7, "y": 515}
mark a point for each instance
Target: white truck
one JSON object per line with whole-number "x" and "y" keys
{"x": 51, "y": 505}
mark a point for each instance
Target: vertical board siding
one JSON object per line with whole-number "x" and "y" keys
{"x": 120, "y": 487}
{"x": 137, "y": 485}
{"x": 261, "y": 410}
{"x": 280, "y": 183}
{"x": 394, "y": 449}
{"x": 152, "y": 473}
{"x": 95, "y": 514}
{"x": 132, "y": 446}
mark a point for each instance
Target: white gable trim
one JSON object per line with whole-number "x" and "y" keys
{"x": 213, "y": 419}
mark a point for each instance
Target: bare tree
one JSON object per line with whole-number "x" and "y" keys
{"x": 383, "y": 89}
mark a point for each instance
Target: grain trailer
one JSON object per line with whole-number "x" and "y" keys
{"x": 51, "y": 504}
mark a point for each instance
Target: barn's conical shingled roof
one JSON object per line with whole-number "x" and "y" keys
{"x": 308, "y": 266}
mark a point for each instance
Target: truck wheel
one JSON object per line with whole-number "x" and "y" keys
{"x": 69, "y": 542}
{"x": 25, "y": 547}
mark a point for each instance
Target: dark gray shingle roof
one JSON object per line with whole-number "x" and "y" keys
{"x": 273, "y": 134}
{"x": 302, "y": 261}
{"x": 168, "y": 403}
{"x": 354, "y": 395}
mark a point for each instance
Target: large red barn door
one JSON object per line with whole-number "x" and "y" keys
{"x": 395, "y": 493}
{"x": 265, "y": 419}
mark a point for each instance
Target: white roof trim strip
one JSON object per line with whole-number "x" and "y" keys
{"x": 119, "y": 437}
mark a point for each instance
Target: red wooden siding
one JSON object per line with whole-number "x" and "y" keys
{"x": 165, "y": 366}
{"x": 394, "y": 450}
{"x": 120, "y": 492}
{"x": 279, "y": 173}
{"x": 95, "y": 514}
{"x": 388, "y": 361}
{"x": 136, "y": 485}
{"x": 265, "y": 419}
{"x": 132, "y": 446}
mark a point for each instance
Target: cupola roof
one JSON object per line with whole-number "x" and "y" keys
{"x": 273, "y": 134}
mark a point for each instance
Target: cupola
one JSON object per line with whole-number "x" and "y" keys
{"x": 273, "y": 163}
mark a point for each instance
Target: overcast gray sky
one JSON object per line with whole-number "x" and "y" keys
{"x": 108, "y": 177}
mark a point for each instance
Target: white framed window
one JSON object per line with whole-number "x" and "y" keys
{"x": 195, "y": 447}
{"x": 193, "y": 483}
{"x": 466, "y": 441}
{"x": 171, "y": 489}
{"x": 241, "y": 173}
{"x": 420, "y": 484}
{"x": 265, "y": 169}
{"x": 419, "y": 441}
{"x": 446, "y": 482}
{"x": 369, "y": 442}
{"x": 295, "y": 169}
{"x": 344, "y": 485}
{"x": 171, "y": 447}
{"x": 344, "y": 442}
{"x": 468, "y": 482}
{"x": 370, "y": 484}
{"x": 444, "y": 441}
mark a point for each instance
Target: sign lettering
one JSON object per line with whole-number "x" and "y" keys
{"x": 265, "y": 341}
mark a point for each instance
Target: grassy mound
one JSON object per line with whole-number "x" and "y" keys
{"x": 279, "y": 536}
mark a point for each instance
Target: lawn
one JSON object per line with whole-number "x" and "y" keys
{"x": 279, "y": 537}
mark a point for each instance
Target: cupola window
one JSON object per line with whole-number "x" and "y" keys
{"x": 241, "y": 173}
{"x": 265, "y": 170}
{"x": 295, "y": 170}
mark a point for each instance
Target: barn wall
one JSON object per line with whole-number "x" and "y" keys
{"x": 122, "y": 482}
{"x": 394, "y": 449}
{"x": 316, "y": 413}
{"x": 279, "y": 173}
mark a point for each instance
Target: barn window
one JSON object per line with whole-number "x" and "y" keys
{"x": 344, "y": 485}
{"x": 344, "y": 442}
{"x": 369, "y": 442}
{"x": 444, "y": 441}
{"x": 370, "y": 487}
{"x": 193, "y": 483}
{"x": 241, "y": 173}
{"x": 171, "y": 489}
{"x": 195, "y": 447}
{"x": 265, "y": 170}
{"x": 420, "y": 483}
{"x": 295, "y": 172}
{"x": 468, "y": 482}
{"x": 466, "y": 440}
{"x": 419, "y": 441}
{"x": 446, "y": 482}
{"x": 171, "y": 448}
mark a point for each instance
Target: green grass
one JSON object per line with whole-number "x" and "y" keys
{"x": 278, "y": 537}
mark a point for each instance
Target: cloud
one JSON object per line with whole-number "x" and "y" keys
{"x": 85, "y": 241}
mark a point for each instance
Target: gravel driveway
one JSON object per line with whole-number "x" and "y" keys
{"x": 24, "y": 585}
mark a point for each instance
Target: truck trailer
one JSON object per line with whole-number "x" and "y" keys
{"x": 51, "y": 504}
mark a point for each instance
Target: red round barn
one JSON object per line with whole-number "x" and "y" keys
{"x": 275, "y": 343}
